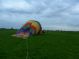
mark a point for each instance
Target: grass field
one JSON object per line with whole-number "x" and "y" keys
{"x": 50, "y": 45}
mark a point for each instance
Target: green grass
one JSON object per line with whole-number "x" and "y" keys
{"x": 50, "y": 45}
{"x": 54, "y": 45}
{"x": 11, "y": 47}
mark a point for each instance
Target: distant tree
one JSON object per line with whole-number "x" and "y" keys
{"x": 2, "y": 28}
{"x": 12, "y": 28}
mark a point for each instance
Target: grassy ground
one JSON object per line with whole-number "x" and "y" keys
{"x": 50, "y": 45}
{"x": 11, "y": 47}
{"x": 54, "y": 45}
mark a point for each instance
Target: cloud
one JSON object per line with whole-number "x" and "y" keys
{"x": 53, "y": 13}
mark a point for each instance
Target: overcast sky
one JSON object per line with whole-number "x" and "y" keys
{"x": 52, "y": 14}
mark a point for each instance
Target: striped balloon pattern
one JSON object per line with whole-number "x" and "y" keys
{"x": 31, "y": 27}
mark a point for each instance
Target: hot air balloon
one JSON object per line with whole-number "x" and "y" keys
{"x": 30, "y": 28}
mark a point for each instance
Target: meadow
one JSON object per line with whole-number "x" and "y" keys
{"x": 49, "y": 45}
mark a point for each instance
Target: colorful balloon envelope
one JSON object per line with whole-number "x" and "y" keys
{"x": 31, "y": 27}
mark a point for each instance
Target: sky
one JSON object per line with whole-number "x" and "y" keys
{"x": 52, "y": 14}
